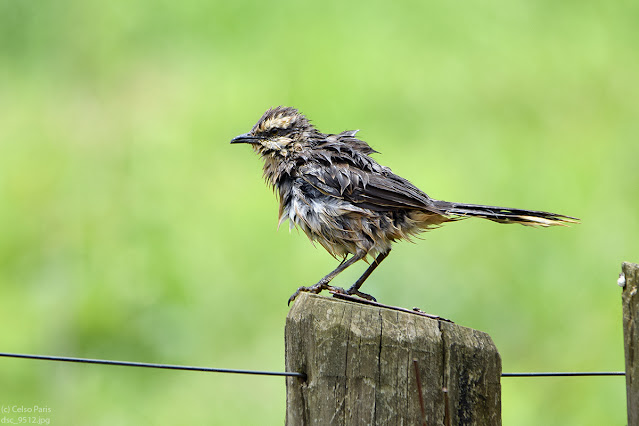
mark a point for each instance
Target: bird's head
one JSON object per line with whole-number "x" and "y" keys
{"x": 282, "y": 131}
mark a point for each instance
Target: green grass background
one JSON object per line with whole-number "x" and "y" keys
{"x": 131, "y": 229}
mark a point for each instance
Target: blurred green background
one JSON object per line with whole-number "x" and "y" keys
{"x": 130, "y": 228}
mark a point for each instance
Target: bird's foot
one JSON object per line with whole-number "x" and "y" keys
{"x": 354, "y": 291}
{"x": 315, "y": 289}
{"x": 360, "y": 294}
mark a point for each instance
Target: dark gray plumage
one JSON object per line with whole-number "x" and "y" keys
{"x": 330, "y": 187}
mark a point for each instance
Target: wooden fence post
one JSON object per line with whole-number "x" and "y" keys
{"x": 359, "y": 361}
{"x": 629, "y": 280}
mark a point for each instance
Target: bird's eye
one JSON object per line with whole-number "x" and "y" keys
{"x": 276, "y": 131}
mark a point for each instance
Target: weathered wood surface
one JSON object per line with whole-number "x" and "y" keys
{"x": 359, "y": 362}
{"x": 630, "y": 281}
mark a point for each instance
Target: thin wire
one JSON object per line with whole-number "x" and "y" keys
{"x": 264, "y": 373}
{"x": 152, "y": 365}
{"x": 565, "y": 374}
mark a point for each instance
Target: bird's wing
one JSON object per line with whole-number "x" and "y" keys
{"x": 376, "y": 189}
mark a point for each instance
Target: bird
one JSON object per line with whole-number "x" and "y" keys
{"x": 330, "y": 187}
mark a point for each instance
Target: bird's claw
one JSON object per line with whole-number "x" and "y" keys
{"x": 362, "y": 295}
{"x": 293, "y": 296}
{"x": 315, "y": 289}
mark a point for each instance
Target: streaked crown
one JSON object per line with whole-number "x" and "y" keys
{"x": 280, "y": 120}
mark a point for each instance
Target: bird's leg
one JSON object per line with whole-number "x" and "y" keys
{"x": 354, "y": 289}
{"x": 323, "y": 283}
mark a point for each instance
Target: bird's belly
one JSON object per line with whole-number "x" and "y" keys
{"x": 340, "y": 227}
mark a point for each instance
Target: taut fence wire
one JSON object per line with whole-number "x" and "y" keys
{"x": 263, "y": 373}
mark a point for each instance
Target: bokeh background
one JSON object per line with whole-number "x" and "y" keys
{"x": 130, "y": 228}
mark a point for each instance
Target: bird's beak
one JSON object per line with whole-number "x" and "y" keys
{"x": 245, "y": 138}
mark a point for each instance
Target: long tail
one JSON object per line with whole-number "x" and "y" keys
{"x": 504, "y": 214}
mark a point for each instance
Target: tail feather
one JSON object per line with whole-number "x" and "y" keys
{"x": 505, "y": 214}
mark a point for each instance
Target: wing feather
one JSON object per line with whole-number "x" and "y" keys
{"x": 379, "y": 190}
{"x": 340, "y": 166}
